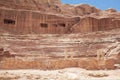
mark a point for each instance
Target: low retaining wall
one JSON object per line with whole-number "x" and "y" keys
{"x": 90, "y": 64}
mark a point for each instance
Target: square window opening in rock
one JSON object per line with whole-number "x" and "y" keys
{"x": 62, "y": 24}
{"x": 9, "y": 21}
{"x": 44, "y": 25}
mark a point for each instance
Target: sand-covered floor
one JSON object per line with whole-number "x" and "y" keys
{"x": 62, "y": 74}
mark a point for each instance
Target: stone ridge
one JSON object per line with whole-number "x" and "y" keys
{"x": 53, "y": 6}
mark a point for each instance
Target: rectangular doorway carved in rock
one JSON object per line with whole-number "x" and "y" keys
{"x": 62, "y": 24}
{"x": 9, "y": 21}
{"x": 44, "y": 25}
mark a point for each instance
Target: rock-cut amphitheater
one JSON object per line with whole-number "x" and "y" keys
{"x": 47, "y": 34}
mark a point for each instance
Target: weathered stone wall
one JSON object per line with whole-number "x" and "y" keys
{"x": 24, "y": 22}
{"x": 15, "y": 21}
{"x": 47, "y": 64}
{"x": 90, "y": 24}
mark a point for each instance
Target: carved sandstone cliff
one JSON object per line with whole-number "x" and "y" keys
{"x": 49, "y": 16}
{"x": 91, "y": 24}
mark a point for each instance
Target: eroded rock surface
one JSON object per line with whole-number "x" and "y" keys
{"x": 53, "y": 17}
{"x": 53, "y": 47}
{"x": 47, "y": 29}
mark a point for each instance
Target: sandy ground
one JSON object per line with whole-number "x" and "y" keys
{"x": 63, "y": 74}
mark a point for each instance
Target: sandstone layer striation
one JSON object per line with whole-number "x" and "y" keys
{"x": 47, "y": 34}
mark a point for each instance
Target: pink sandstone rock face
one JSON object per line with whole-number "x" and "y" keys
{"x": 33, "y": 30}
{"x": 54, "y": 6}
{"x": 48, "y": 16}
{"x": 5, "y": 54}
